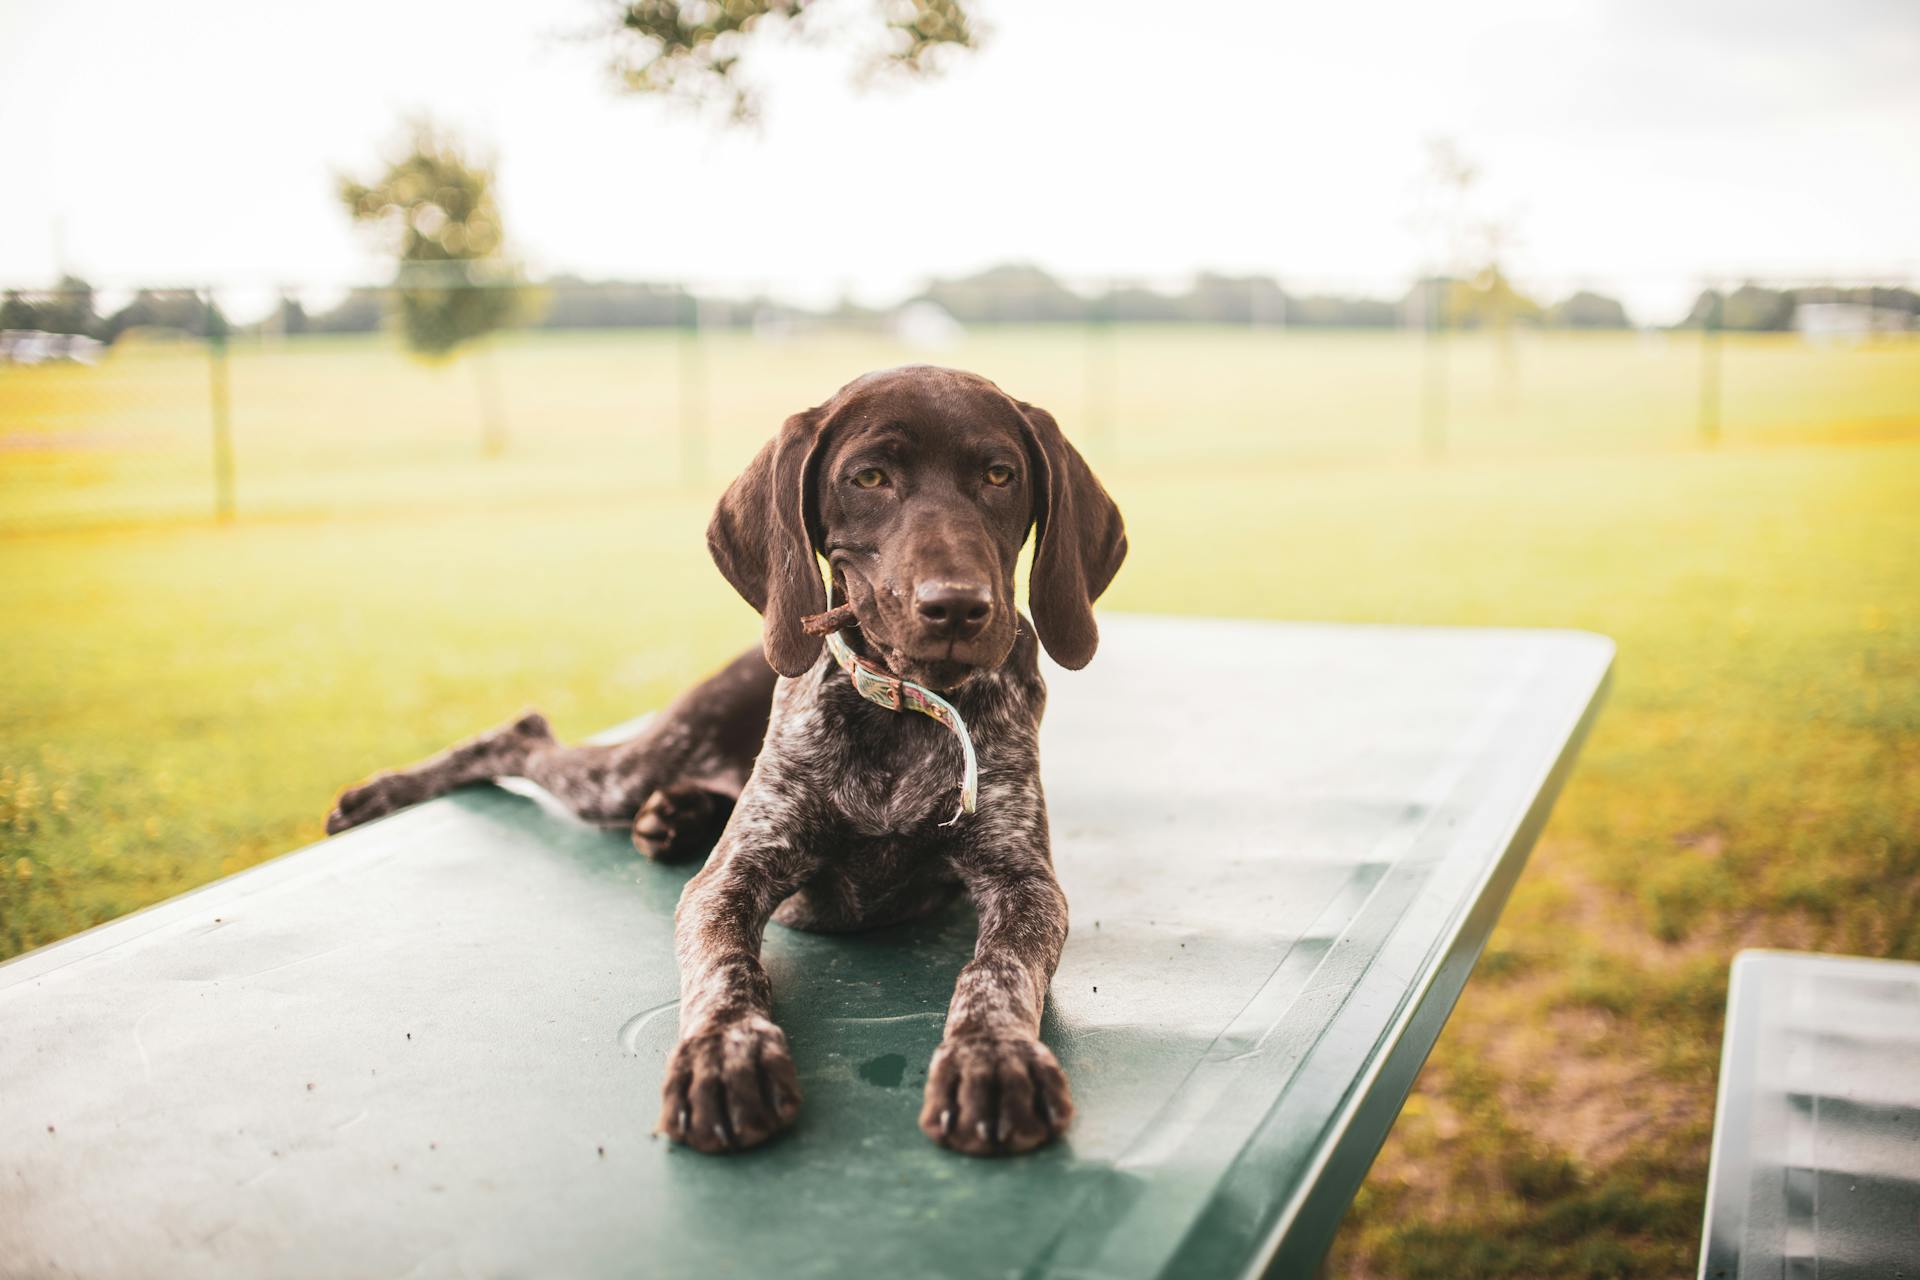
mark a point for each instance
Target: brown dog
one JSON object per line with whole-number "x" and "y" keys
{"x": 919, "y": 486}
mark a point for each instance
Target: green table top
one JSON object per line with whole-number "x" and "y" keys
{"x": 432, "y": 1046}
{"x": 1816, "y": 1142}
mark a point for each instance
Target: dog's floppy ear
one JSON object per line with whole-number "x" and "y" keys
{"x": 1079, "y": 542}
{"x": 761, "y": 537}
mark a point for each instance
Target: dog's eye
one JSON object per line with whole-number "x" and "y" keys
{"x": 871, "y": 478}
{"x": 999, "y": 475}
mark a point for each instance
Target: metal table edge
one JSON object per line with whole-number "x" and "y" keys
{"x": 95, "y": 939}
{"x": 1735, "y": 1067}
{"x": 1297, "y": 1240}
{"x": 1729, "y": 1153}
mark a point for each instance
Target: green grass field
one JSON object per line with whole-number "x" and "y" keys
{"x": 182, "y": 699}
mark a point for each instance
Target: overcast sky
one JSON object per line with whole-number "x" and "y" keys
{"x": 1635, "y": 146}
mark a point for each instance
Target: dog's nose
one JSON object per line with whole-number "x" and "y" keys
{"x": 952, "y": 610}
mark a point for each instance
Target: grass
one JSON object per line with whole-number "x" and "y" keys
{"x": 182, "y": 698}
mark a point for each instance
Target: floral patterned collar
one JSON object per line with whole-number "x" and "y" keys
{"x": 895, "y": 694}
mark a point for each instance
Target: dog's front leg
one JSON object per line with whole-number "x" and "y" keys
{"x": 993, "y": 1088}
{"x": 730, "y": 1082}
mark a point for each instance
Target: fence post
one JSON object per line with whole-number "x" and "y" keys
{"x": 1102, "y": 368}
{"x": 1433, "y": 398}
{"x": 486, "y": 382}
{"x": 693, "y": 408}
{"x": 1710, "y": 325}
{"x": 219, "y": 403}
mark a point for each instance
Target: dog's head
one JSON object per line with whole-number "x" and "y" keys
{"x": 919, "y": 485}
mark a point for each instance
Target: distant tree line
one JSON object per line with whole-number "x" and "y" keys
{"x": 1753, "y": 308}
{"x": 1011, "y": 294}
{"x": 1020, "y": 294}
{"x": 69, "y": 307}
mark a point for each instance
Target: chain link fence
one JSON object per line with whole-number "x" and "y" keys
{"x": 197, "y": 403}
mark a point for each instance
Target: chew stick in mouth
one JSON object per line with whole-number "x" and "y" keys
{"x": 820, "y": 624}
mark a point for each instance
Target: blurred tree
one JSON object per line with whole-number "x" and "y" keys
{"x": 1471, "y": 289}
{"x": 70, "y": 309}
{"x": 1587, "y": 310}
{"x": 453, "y": 286}
{"x": 181, "y": 310}
{"x": 1750, "y": 307}
{"x": 576, "y": 303}
{"x": 66, "y": 308}
{"x": 691, "y": 50}
{"x": 291, "y": 318}
{"x": 1327, "y": 311}
{"x": 17, "y": 313}
{"x": 435, "y": 209}
{"x": 1223, "y": 299}
{"x": 1491, "y": 301}
{"x": 1013, "y": 293}
{"x": 1440, "y": 215}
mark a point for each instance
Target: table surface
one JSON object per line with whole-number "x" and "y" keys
{"x": 432, "y": 1046}
{"x": 1816, "y": 1144}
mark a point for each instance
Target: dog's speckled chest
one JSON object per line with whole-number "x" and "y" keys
{"x": 876, "y": 773}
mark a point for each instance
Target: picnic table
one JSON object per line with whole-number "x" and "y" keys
{"x": 433, "y": 1045}
{"x": 1816, "y": 1136}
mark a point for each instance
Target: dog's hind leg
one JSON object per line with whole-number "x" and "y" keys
{"x": 678, "y": 775}
{"x": 696, "y": 758}
{"x": 497, "y": 753}
{"x": 682, "y": 820}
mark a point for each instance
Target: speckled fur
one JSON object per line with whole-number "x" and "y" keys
{"x": 839, "y": 814}
{"x": 844, "y": 826}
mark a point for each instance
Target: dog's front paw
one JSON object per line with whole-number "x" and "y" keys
{"x": 730, "y": 1088}
{"x": 994, "y": 1095}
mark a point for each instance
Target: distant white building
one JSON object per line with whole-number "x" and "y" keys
{"x": 927, "y": 326}
{"x": 1847, "y": 321}
{"x": 31, "y": 346}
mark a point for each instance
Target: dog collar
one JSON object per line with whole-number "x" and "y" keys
{"x": 895, "y": 694}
